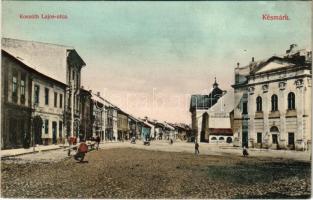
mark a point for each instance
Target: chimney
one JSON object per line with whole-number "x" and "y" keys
{"x": 252, "y": 59}
{"x": 238, "y": 64}
{"x": 98, "y": 94}
{"x": 90, "y": 91}
{"x": 82, "y": 87}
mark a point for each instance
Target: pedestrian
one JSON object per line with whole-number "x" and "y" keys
{"x": 245, "y": 151}
{"x": 197, "y": 152}
{"x": 97, "y": 142}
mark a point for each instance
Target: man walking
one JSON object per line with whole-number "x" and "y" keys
{"x": 197, "y": 148}
{"x": 97, "y": 142}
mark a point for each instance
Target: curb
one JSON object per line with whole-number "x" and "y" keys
{"x": 31, "y": 152}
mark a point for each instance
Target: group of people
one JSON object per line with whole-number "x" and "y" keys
{"x": 244, "y": 150}
{"x": 82, "y": 148}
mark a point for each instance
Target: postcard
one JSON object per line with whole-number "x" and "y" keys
{"x": 156, "y": 99}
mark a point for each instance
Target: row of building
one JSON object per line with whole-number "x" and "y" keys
{"x": 43, "y": 101}
{"x": 269, "y": 106}
{"x": 101, "y": 117}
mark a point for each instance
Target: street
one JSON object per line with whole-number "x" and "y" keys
{"x": 124, "y": 172}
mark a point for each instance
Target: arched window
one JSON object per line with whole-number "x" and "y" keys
{"x": 291, "y": 101}
{"x": 259, "y": 104}
{"x": 274, "y": 102}
{"x": 221, "y": 138}
{"x": 213, "y": 138}
{"x": 229, "y": 140}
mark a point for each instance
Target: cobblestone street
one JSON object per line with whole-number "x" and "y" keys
{"x": 138, "y": 173}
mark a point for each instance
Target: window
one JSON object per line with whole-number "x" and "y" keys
{"x": 46, "y": 96}
{"x": 73, "y": 76}
{"x": 259, "y": 138}
{"x": 291, "y": 138}
{"x": 245, "y": 108}
{"x": 213, "y": 138}
{"x": 14, "y": 87}
{"x": 291, "y": 101}
{"x": 221, "y": 138}
{"x": 77, "y": 80}
{"x": 259, "y": 104}
{"x": 23, "y": 89}
{"x": 46, "y": 126}
{"x": 61, "y": 100}
{"x": 274, "y": 102}
{"x": 55, "y": 99}
{"x": 36, "y": 93}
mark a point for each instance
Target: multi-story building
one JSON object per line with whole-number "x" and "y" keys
{"x": 133, "y": 124}
{"x": 275, "y": 101}
{"x": 16, "y": 101}
{"x": 199, "y": 104}
{"x": 111, "y": 122}
{"x": 86, "y": 111}
{"x": 122, "y": 126}
{"x": 48, "y": 110}
{"x": 53, "y": 73}
{"x": 98, "y": 115}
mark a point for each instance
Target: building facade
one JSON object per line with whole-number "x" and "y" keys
{"x": 43, "y": 78}
{"x": 199, "y": 104}
{"x": 16, "y": 103}
{"x": 48, "y": 110}
{"x": 86, "y": 111}
{"x": 122, "y": 126}
{"x": 275, "y": 102}
{"x": 111, "y": 122}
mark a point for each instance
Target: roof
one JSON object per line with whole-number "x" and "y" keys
{"x": 221, "y": 131}
{"x": 48, "y": 59}
{"x": 225, "y": 104}
{"x": 206, "y": 101}
{"x": 292, "y": 57}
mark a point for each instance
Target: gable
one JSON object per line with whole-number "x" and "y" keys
{"x": 273, "y": 65}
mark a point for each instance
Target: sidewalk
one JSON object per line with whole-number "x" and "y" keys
{"x": 22, "y": 151}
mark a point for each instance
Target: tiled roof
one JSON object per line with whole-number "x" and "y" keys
{"x": 205, "y": 101}
{"x": 47, "y": 59}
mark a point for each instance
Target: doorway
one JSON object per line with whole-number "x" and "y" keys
{"x": 37, "y": 130}
{"x": 54, "y": 132}
{"x": 291, "y": 140}
{"x": 274, "y": 132}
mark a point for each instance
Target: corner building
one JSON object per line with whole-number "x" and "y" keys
{"x": 275, "y": 102}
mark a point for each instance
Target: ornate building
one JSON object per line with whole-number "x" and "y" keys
{"x": 275, "y": 102}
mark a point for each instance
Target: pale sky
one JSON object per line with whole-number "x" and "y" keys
{"x": 149, "y": 57}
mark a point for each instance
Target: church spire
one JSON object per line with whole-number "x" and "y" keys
{"x": 215, "y": 85}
